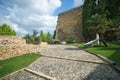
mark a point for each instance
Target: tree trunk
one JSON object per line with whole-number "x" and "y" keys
{"x": 97, "y": 37}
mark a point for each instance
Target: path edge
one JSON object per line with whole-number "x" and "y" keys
{"x": 112, "y": 63}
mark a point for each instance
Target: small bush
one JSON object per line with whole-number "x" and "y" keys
{"x": 51, "y": 41}
{"x": 56, "y": 42}
{"x": 70, "y": 40}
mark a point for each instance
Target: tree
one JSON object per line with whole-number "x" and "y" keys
{"x": 113, "y": 32}
{"x": 43, "y": 36}
{"x": 101, "y": 7}
{"x": 98, "y": 24}
{"x": 54, "y": 34}
{"x": 35, "y": 38}
{"x": 49, "y": 38}
{"x": 113, "y": 7}
{"x": 28, "y": 38}
{"x": 6, "y": 30}
{"x": 35, "y": 32}
{"x": 88, "y": 11}
{"x": 109, "y": 8}
{"x": 46, "y": 37}
{"x": 32, "y": 39}
{"x": 41, "y": 33}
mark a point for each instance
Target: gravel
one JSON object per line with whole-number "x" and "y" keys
{"x": 24, "y": 75}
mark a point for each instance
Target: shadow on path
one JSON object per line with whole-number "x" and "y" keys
{"x": 103, "y": 72}
{"x": 73, "y": 48}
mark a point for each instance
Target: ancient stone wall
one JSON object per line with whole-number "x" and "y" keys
{"x": 11, "y": 46}
{"x": 69, "y": 24}
{"x": 12, "y": 40}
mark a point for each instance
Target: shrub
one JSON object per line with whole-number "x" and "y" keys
{"x": 56, "y": 42}
{"x": 70, "y": 40}
{"x": 7, "y": 30}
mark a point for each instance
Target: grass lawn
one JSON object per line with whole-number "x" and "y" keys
{"x": 112, "y": 53}
{"x": 13, "y": 64}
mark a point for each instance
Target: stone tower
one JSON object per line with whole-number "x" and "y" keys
{"x": 69, "y": 24}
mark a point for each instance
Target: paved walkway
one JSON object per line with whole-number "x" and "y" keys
{"x": 68, "y": 63}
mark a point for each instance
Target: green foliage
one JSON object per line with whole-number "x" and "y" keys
{"x": 28, "y": 38}
{"x": 36, "y": 38}
{"x": 109, "y": 8}
{"x": 49, "y": 38}
{"x": 35, "y": 32}
{"x": 70, "y": 40}
{"x": 101, "y": 7}
{"x": 54, "y": 34}
{"x": 43, "y": 36}
{"x": 46, "y": 37}
{"x": 13, "y": 64}
{"x": 98, "y": 23}
{"x": 32, "y": 39}
{"x": 6, "y": 30}
{"x": 41, "y": 33}
{"x": 113, "y": 8}
{"x": 56, "y": 42}
{"x": 87, "y": 12}
{"x": 80, "y": 45}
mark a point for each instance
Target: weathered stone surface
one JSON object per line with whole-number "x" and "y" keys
{"x": 69, "y": 24}
{"x": 11, "y": 46}
{"x": 12, "y": 40}
{"x": 16, "y": 50}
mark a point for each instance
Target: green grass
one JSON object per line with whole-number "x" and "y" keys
{"x": 81, "y": 45}
{"x": 112, "y": 53}
{"x": 13, "y": 64}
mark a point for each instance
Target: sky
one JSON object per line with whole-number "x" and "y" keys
{"x": 24, "y": 16}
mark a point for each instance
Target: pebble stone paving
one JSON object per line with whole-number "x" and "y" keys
{"x": 63, "y": 69}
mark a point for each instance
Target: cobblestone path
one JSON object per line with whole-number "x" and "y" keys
{"x": 68, "y": 63}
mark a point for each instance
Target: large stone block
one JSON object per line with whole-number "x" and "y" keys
{"x": 69, "y": 24}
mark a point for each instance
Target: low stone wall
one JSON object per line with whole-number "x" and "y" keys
{"x": 16, "y": 50}
{"x": 11, "y": 46}
{"x": 12, "y": 40}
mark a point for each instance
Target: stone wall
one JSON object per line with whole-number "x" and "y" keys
{"x": 12, "y": 40}
{"x": 11, "y": 46}
{"x": 69, "y": 24}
